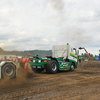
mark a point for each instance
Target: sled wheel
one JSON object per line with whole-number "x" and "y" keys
{"x": 9, "y": 70}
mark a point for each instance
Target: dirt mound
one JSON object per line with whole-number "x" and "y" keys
{"x": 94, "y": 64}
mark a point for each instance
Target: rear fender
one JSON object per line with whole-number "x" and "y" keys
{"x": 5, "y": 62}
{"x": 55, "y": 60}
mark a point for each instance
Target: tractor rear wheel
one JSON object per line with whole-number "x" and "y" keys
{"x": 52, "y": 67}
{"x": 9, "y": 70}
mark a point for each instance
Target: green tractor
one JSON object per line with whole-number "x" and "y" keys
{"x": 64, "y": 57}
{"x": 8, "y": 69}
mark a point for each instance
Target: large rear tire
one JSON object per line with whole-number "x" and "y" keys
{"x": 52, "y": 67}
{"x": 9, "y": 70}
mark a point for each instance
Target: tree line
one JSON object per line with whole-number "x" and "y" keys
{"x": 84, "y": 56}
{"x": 43, "y": 53}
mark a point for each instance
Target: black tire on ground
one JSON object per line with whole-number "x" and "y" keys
{"x": 9, "y": 70}
{"x": 52, "y": 67}
{"x": 36, "y": 70}
{"x": 72, "y": 67}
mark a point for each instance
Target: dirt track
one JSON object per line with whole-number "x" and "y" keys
{"x": 82, "y": 84}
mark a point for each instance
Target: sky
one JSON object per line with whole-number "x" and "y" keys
{"x": 40, "y": 24}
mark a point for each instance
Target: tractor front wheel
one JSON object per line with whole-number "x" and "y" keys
{"x": 72, "y": 67}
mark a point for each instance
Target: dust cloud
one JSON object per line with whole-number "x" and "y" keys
{"x": 75, "y": 35}
{"x": 19, "y": 81}
{"x": 69, "y": 30}
{"x": 57, "y": 5}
